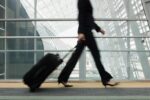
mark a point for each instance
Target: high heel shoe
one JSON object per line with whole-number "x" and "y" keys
{"x": 65, "y": 84}
{"x": 110, "y": 84}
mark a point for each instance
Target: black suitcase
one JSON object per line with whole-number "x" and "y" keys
{"x": 40, "y": 71}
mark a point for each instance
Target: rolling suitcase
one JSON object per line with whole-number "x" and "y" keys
{"x": 41, "y": 70}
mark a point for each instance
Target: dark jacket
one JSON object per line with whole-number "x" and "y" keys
{"x": 85, "y": 17}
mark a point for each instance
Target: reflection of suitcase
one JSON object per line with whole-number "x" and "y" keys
{"x": 40, "y": 71}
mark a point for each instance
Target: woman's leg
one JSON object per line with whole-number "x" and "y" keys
{"x": 91, "y": 43}
{"x": 64, "y": 75}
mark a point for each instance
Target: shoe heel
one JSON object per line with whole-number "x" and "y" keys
{"x": 105, "y": 85}
{"x": 109, "y": 84}
{"x": 65, "y": 84}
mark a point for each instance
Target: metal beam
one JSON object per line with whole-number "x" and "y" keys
{"x": 68, "y": 50}
{"x": 72, "y": 19}
{"x": 61, "y": 37}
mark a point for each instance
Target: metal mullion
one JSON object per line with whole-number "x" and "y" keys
{"x": 68, "y": 50}
{"x": 56, "y": 37}
{"x": 128, "y": 39}
{"x": 73, "y": 19}
{"x": 5, "y": 43}
{"x": 35, "y": 28}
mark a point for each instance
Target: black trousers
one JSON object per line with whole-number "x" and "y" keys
{"x": 91, "y": 43}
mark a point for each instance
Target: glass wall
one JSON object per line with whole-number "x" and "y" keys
{"x": 34, "y": 28}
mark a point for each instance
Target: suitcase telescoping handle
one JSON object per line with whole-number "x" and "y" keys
{"x": 68, "y": 52}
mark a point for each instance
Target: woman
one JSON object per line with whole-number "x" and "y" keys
{"x": 86, "y": 38}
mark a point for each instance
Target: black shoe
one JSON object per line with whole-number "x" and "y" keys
{"x": 34, "y": 87}
{"x": 110, "y": 84}
{"x": 65, "y": 84}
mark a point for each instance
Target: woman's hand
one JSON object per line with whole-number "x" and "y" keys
{"x": 102, "y": 31}
{"x": 81, "y": 37}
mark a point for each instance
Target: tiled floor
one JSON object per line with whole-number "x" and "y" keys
{"x": 89, "y": 90}
{"x": 78, "y": 84}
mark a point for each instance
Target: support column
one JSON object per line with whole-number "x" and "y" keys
{"x": 82, "y": 66}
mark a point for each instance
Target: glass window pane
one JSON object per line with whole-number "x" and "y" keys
{"x": 56, "y": 9}
{"x": 2, "y": 65}
{"x": 2, "y": 32}
{"x": 2, "y": 2}
{"x": 2, "y": 13}
{"x": 56, "y": 43}
{"x": 18, "y": 63}
{"x": 141, "y": 44}
{"x": 20, "y": 29}
{"x": 112, "y": 44}
{"x": 2, "y": 44}
{"x": 2, "y": 26}
{"x": 139, "y": 65}
{"x": 20, "y": 44}
{"x": 18, "y": 9}
{"x": 57, "y": 28}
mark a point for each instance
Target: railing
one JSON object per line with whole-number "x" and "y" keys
{"x": 73, "y": 19}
